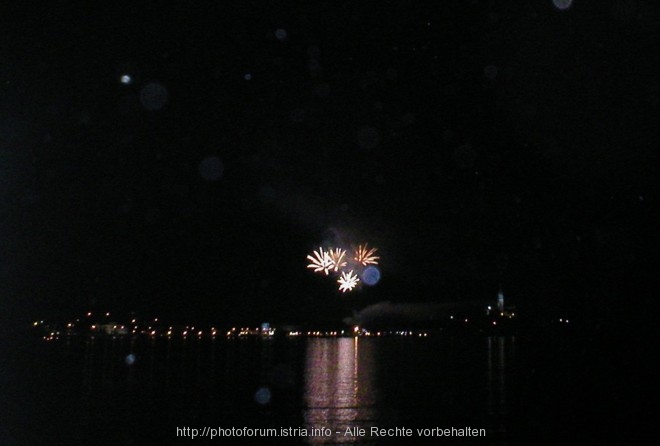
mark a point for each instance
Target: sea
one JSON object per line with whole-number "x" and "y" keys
{"x": 438, "y": 389}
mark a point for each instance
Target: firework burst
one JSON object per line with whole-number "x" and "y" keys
{"x": 337, "y": 258}
{"x": 347, "y": 281}
{"x": 320, "y": 261}
{"x": 349, "y": 268}
{"x": 365, "y": 256}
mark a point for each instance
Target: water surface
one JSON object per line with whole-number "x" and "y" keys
{"x": 92, "y": 391}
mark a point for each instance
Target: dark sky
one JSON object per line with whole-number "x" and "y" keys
{"x": 475, "y": 143}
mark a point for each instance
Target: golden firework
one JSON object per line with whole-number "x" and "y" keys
{"x": 366, "y": 256}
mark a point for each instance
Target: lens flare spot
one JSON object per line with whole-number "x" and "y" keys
{"x": 368, "y": 137}
{"x": 211, "y": 168}
{"x": 562, "y": 4}
{"x": 371, "y": 275}
{"x": 153, "y": 96}
{"x": 281, "y": 34}
{"x": 262, "y": 396}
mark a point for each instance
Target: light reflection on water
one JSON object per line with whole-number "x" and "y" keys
{"x": 498, "y": 349}
{"x": 329, "y": 383}
{"x": 340, "y": 391}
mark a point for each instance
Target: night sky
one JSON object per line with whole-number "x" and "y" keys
{"x": 476, "y": 144}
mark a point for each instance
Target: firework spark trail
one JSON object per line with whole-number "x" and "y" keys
{"x": 321, "y": 262}
{"x": 337, "y": 259}
{"x": 347, "y": 281}
{"x": 366, "y": 256}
